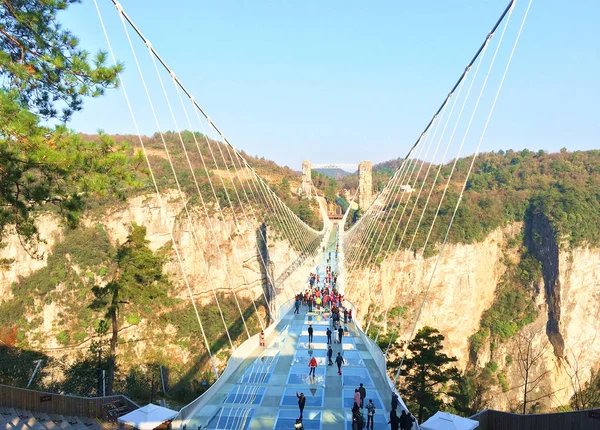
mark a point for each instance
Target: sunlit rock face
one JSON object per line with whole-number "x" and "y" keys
{"x": 464, "y": 286}
{"x": 236, "y": 258}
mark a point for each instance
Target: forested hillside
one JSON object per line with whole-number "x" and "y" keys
{"x": 507, "y": 186}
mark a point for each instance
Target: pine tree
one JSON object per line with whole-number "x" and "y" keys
{"x": 138, "y": 281}
{"x": 44, "y": 75}
{"x": 426, "y": 373}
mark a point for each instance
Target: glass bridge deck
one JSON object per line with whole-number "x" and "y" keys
{"x": 261, "y": 394}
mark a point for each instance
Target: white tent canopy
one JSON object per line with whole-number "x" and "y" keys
{"x": 148, "y": 417}
{"x": 446, "y": 421}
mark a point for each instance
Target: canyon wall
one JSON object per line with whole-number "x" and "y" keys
{"x": 218, "y": 256}
{"x": 465, "y": 285}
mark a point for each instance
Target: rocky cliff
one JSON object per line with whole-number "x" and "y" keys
{"x": 221, "y": 258}
{"x": 466, "y": 284}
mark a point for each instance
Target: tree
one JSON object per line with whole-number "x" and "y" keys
{"x": 530, "y": 366}
{"x": 45, "y": 75}
{"x": 42, "y": 63}
{"x": 426, "y": 372}
{"x": 138, "y": 281}
{"x": 469, "y": 392}
{"x": 585, "y": 382}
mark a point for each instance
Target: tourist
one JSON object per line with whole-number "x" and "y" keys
{"x": 301, "y": 403}
{"x": 357, "y": 398}
{"x": 329, "y": 355}
{"x": 340, "y": 333}
{"x": 394, "y": 420}
{"x": 339, "y": 360}
{"x": 363, "y": 394}
{"x": 370, "y": 413}
{"x": 350, "y": 315}
{"x": 345, "y": 316}
{"x": 310, "y": 333}
{"x": 406, "y": 421}
{"x": 358, "y": 422}
{"x": 297, "y": 306}
{"x": 395, "y": 401}
{"x": 328, "y": 336}
{"x": 313, "y": 366}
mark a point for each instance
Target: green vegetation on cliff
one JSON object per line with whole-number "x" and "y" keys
{"x": 505, "y": 187}
{"x": 94, "y": 285}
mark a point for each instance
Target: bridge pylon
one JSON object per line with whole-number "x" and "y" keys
{"x": 365, "y": 184}
{"x": 305, "y": 189}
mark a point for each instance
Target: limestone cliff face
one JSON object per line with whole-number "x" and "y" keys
{"x": 464, "y": 286}
{"x": 218, "y": 256}
{"x": 22, "y": 263}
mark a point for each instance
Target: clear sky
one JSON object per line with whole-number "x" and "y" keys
{"x": 344, "y": 81}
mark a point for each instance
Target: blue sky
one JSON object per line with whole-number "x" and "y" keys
{"x": 344, "y": 81}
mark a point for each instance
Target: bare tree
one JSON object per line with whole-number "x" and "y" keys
{"x": 530, "y": 355}
{"x": 585, "y": 392}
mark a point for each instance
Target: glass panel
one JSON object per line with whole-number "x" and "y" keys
{"x": 268, "y": 357}
{"x": 353, "y": 358}
{"x": 302, "y": 357}
{"x": 287, "y": 418}
{"x": 299, "y": 375}
{"x": 319, "y": 342}
{"x": 231, "y": 418}
{"x": 352, "y": 377}
{"x": 317, "y": 319}
{"x": 245, "y": 394}
{"x": 314, "y": 397}
{"x": 257, "y": 374}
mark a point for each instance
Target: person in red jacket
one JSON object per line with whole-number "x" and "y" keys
{"x": 313, "y": 366}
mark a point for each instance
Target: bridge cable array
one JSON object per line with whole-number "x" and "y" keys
{"x": 243, "y": 189}
{"x": 370, "y": 242}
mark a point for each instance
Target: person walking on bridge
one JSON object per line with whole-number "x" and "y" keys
{"x": 394, "y": 420}
{"x": 363, "y": 394}
{"x": 340, "y": 333}
{"x": 406, "y": 421}
{"x": 370, "y": 414}
{"x": 313, "y": 367}
{"x": 328, "y": 336}
{"x": 339, "y": 360}
{"x": 356, "y": 398}
{"x": 329, "y": 355}
{"x": 310, "y": 333}
{"x": 301, "y": 403}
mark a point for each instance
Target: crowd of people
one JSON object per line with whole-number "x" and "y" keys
{"x": 321, "y": 295}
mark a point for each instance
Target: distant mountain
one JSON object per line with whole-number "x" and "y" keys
{"x": 333, "y": 173}
{"x": 387, "y": 166}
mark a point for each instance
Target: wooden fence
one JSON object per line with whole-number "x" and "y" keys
{"x": 38, "y": 401}
{"x": 577, "y": 420}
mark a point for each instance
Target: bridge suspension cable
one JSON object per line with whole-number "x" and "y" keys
{"x": 255, "y": 200}
{"x": 367, "y": 243}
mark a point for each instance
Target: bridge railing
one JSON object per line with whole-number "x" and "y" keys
{"x": 376, "y": 353}
{"x": 185, "y": 418}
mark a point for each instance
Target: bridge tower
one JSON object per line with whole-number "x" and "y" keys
{"x": 306, "y": 179}
{"x": 365, "y": 184}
